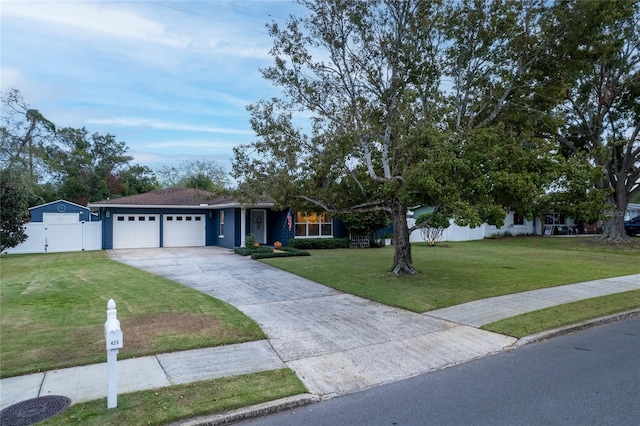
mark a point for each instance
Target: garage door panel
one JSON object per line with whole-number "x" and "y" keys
{"x": 136, "y": 231}
{"x": 183, "y": 230}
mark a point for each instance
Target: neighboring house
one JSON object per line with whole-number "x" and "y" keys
{"x": 62, "y": 211}
{"x": 180, "y": 217}
{"x": 60, "y": 226}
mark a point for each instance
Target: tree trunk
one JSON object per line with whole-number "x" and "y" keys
{"x": 613, "y": 227}
{"x": 402, "y": 262}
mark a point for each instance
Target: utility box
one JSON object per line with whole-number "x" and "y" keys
{"x": 113, "y": 334}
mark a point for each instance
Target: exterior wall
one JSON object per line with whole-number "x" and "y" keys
{"x": 279, "y": 228}
{"x": 228, "y": 240}
{"x": 54, "y": 238}
{"x": 62, "y": 206}
{"x": 211, "y": 222}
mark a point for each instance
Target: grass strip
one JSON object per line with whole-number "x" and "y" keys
{"x": 566, "y": 314}
{"x": 170, "y": 404}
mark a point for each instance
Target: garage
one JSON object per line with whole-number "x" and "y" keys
{"x": 136, "y": 231}
{"x": 183, "y": 230}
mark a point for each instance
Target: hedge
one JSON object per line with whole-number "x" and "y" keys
{"x": 267, "y": 252}
{"x": 256, "y": 256}
{"x": 246, "y": 251}
{"x": 319, "y": 243}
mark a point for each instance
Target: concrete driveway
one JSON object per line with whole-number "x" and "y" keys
{"x": 335, "y": 342}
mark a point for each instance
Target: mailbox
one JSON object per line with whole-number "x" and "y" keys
{"x": 113, "y": 334}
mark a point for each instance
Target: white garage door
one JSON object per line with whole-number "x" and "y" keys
{"x": 136, "y": 230}
{"x": 183, "y": 230}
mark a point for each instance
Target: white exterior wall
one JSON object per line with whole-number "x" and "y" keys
{"x": 60, "y": 237}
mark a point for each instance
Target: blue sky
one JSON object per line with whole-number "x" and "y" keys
{"x": 171, "y": 79}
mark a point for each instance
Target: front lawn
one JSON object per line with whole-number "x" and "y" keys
{"x": 453, "y": 273}
{"x": 53, "y": 309}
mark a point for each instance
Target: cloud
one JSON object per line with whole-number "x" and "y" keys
{"x": 164, "y": 125}
{"x": 95, "y": 17}
{"x": 11, "y": 78}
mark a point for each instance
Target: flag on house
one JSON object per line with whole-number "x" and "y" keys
{"x": 289, "y": 220}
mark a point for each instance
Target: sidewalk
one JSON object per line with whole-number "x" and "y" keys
{"x": 458, "y": 341}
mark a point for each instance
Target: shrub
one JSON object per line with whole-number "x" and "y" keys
{"x": 246, "y": 251}
{"x": 249, "y": 240}
{"x": 432, "y": 225}
{"x": 497, "y": 235}
{"x": 319, "y": 243}
{"x": 285, "y": 253}
{"x": 262, "y": 252}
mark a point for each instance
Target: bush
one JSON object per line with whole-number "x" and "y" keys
{"x": 266, "y": 252}
{"x": 246, "y": 251}
{"x": 287, "y": 253}
{"x": 498, "y": 235}
{"x": 319, "y": 243}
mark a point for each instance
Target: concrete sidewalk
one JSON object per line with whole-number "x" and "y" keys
{"x": 336, "y": 343}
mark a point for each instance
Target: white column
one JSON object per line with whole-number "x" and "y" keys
{"x": 243, "y": 225}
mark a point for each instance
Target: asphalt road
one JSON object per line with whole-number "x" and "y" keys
{"x": 588, "y": 378}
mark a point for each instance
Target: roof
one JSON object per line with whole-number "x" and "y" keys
{"x": 173, "y": 197}
{"x": 58, "y": 201}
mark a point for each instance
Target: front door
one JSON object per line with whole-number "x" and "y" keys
{"x": 258, "y": 226}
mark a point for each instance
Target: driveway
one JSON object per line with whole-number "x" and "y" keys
{"x": 335, "y": 342}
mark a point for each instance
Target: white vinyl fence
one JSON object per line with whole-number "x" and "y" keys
{"x": 466, "y": 233}
{"x": 59, "y": 237}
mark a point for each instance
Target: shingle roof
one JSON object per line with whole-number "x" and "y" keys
{"x": 167, "y": 197}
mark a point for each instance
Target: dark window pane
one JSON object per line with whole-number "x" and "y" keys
{"x": 314, "y": 230}
{"x": 301, "y": 230}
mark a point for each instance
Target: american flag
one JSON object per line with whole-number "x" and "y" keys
{"x": 289, "y": 220}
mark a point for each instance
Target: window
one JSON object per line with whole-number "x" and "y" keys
{"x": 197, "y": 218}
{"x": 221, "y": 223}
{"x": 131, "y": 218}
{"x": 141, "y": 219}
{"x": 313, "y": 225}
{"x": 179, "y": 218}
{"x": 553, "y": 219}
{"x": 120, "y": 218}
{"x": 152, "y": 218}
{"x": 518, "y": 219}
{"x": 169, "y": 218}
{"x": 188, "y": 218}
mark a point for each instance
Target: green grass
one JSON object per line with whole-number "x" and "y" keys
{"x": 54, "y": 309}
{"x": 566, "y": 314}
{"x": 65, "y": 296}
{"x": 454, "y": 273}
{"x": 161, "y": 406}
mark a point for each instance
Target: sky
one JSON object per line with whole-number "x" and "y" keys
{"x": 171, "y": 79}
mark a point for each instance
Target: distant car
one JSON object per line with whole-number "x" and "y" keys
{"x": 632, "y": 227}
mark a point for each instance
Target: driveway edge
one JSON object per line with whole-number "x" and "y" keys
{"x": 560, "y": 331}
{"x": 252, "y": 411}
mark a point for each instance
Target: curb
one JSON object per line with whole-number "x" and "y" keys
{"x": 250, "y": 412}
{"x": 545, "y": 335}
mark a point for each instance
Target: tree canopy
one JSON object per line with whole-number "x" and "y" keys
{"x": 594, "y": 69}
{"x": 409, "y": 102}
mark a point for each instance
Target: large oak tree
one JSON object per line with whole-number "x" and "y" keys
{"x": 398, "y": 112}
{"x": 597, "y": 76}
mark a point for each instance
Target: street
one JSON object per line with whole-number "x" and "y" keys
{"x": 591, "y": 377}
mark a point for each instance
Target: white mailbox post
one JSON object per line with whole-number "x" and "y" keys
{"x": 113, "y": 336}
